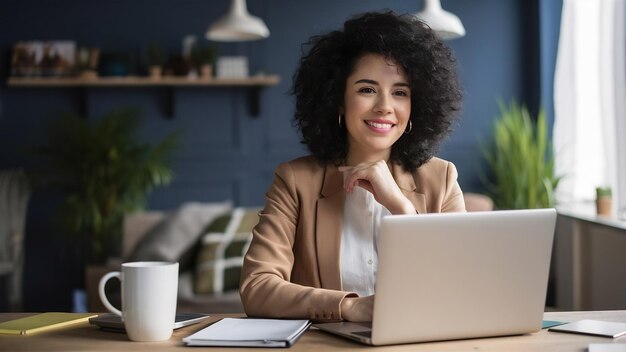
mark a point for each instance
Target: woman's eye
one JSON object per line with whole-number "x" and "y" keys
{"x": 401, "y": 93}
{"x": 367, "y": 90}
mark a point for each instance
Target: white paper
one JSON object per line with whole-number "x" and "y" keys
{"x": 607, "y": 347}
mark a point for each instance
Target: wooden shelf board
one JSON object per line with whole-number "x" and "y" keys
{"x": 258, "y": 81}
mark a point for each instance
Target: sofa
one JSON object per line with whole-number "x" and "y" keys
{"x": 207, "y": 239}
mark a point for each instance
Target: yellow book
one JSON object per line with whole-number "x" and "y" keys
{"x": 42, "y": 322}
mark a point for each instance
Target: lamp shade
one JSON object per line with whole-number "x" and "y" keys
{"x": 445, "y": 24}
{"x": 238, "y": 25}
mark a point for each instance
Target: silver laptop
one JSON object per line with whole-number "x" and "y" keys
{"x": 458, "y": 275}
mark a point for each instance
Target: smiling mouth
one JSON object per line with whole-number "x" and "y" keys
{"x": 380, "y": 125}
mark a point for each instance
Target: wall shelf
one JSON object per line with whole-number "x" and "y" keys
{"x": 254, "y": 85}
{"x": 255, "y": 81}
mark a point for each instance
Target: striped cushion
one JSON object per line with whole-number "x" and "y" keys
{"x": 223, "y": 245}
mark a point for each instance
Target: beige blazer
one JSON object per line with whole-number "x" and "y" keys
{"x": 292, "y": 267}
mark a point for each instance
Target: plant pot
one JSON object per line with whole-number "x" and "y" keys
{"x": 604, "y": 206}
{"x": 206, "y": 71}
{"x": 156, "y": 72}
{"x": 89, "y": 74}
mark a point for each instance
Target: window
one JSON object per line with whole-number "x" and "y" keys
{"x": 590, "y": 101}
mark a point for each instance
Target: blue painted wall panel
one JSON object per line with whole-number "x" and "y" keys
{"x": 224, "y": 152}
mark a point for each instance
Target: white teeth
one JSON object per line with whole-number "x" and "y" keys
{"x": 379, "y": 125}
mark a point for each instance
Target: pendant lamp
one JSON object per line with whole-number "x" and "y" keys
{"x": 238, "y": 25}
{"x": 445, "y": 24}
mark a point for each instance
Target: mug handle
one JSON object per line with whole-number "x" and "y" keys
{"x": 103, "y": 296}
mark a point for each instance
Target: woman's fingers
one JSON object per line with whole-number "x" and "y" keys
{"x": 364, "y": 175}
{"x": 376, "y": 178}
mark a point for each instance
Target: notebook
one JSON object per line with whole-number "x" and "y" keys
{"x": 43, "y": 322}
{"x": 113, "y": 322}
{"x": 249, "y": 332}
{"x": 458, "y": 275}
{"x": 593, "y": 327}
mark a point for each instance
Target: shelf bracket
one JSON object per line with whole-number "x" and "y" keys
{"x": 254, "y": 101}
{"x": 169, "y": 101}
{"x": 82, "y": 102}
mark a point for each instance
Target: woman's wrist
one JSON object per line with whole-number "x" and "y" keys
{"x": 357, "y": 308}
{"x": 404, "y": 207}
{"x": 345, "y": 307}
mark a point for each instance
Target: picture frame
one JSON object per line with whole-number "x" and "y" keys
{"x": 43, "y": 58}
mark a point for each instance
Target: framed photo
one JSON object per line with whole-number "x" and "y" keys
{"x": 37, "y": 58}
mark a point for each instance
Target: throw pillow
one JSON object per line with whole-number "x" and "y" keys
{"x": 174, "y": 236}
{"x": 223, "y": 246}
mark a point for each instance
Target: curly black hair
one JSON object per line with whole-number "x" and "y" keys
{"x": 319, "y": 84}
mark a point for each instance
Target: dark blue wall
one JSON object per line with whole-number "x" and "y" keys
{"x": 225, "y": 153}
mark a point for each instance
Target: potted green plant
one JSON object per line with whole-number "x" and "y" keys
{"x": 202, "y": 58}
{"x": 105, "y": 172}
{"x": 604, "y": 201}
{"x": 156, "y": 59}
{"x": 520, "y": 161}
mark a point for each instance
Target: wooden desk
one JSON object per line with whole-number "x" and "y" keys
{"x": 89, "y": 338}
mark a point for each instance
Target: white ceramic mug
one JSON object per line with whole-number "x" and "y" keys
{"x": 149, "y": 292}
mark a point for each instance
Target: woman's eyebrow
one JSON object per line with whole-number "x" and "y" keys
{"x": 371, "y": 81}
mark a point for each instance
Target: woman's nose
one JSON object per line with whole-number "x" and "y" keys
{"x": 383, "y": 105}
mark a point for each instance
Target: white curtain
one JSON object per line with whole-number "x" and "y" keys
{"x": 589, "y": 100}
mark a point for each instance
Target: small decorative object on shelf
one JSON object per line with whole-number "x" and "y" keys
{"x": 232, "y": 67}
{"x": 156, "y": 59}
{"x": 116, "y": 64}
{"x": 43, "y": 59}
{"x": 156, "y": 72}
{"x": 202, "y": 58}
{"x": 604, "y": 201}
{"x": 87, "y": 62}
{"x": 177, "y": 66}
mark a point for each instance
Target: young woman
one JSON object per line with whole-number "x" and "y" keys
{"x": 373, "y": 102}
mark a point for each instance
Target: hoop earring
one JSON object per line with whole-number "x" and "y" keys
{"x": 410, "y": 127}
{"x": 340, "y": 120}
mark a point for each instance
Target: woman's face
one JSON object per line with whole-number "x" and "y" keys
{"x": 377, "y": 108}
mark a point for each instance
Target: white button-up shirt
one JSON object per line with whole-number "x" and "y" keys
{"x": 359, "y": 242}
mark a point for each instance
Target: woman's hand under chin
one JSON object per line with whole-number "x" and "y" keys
{"x": 376, "y": 178}
{"x": 357, "y": 309}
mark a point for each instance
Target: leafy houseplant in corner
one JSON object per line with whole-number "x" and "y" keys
{"x": 520, "y": 160}
{"x": 105, "y": 172}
